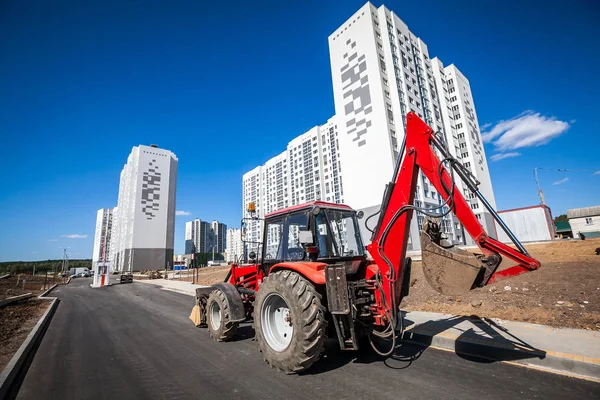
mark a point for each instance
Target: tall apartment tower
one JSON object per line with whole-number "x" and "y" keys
{"x": 203, "y": 236}
{"x": 219, "y": 232}
{"x": 145, "y": 220}
{"x": 380, "y": 72}
{"x": 235, "y": 248}
{"x": 102, "y": 237}
{"x": 192, "y": 237}
{"x": 464, "y": 136}
{"x": 308, "y": 170}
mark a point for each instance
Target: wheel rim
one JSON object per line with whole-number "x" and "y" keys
{"x": 215, "y": 316}
{"x": 276, "y": 322}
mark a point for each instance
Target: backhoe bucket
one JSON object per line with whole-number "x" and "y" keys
{"x": 449, "y": 270}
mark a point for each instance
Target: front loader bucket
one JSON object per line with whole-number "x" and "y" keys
{"x": 449, "y": 270}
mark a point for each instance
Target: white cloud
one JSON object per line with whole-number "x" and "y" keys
{"x": 53, "y": 240}
{"x": 525, "y": 130}
{"x": 181, "y": 213}
{"x": 502, "y": 156}
{"x": 74, "y": 236}
{"x": 561, "y": 181}
{"x": 596, "y": 173}
{"x": 34, "y": 252}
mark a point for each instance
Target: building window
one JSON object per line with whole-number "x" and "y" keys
{"x": 589, "y": 221}
{"x": 385, "y": 82}
{"x": 387, "y": 94}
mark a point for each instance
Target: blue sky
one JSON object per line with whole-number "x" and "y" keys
{"x": 225, "y": 85}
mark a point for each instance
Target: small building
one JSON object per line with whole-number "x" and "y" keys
{"x": 529, "y": 224}
{"x": 585, "y": 220}
{"x": 563, "y": 229}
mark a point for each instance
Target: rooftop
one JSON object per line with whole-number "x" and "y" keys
{"x": 583, "y": 212}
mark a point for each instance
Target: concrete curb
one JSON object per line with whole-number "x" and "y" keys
{"x": 554, "y": 362}
{"x": 47, "y": 291}
{"x": 6, "y": 302}
{"x": 27, "y": 349}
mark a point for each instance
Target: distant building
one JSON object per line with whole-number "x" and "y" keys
{"x": 585, "y": 220}
{"x": 235, "y": 246}
{"x": 219, "y": 232}
{"x": 203, "y": 236}
{"x": 563, "y": 229}
{"x": 102, "y": 238}
{"x": 145, "y": 219}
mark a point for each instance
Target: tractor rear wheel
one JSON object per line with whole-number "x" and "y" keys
{"x": 289, "y": 321}
{"x": 220, "y": 328}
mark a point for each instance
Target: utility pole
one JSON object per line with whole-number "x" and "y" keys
{"x": 537, "y": 181}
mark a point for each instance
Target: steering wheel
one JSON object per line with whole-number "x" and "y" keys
{"x": 268, "y": 256}
{"x": 295, "y": 253}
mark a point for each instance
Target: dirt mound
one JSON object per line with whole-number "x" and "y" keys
{"x": 564, "y": 292}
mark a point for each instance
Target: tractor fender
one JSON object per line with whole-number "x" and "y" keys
{"x": 313, "y": 271}
{"x": 234, "y": 300}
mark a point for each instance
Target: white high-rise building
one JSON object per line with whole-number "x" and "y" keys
{"x": 144, "y": 223}
{"x": 203, "y": 236}
{"x": 102, "y": 238}
{"x": 308, "y": 170}
{"x": 235, "y": 247}
{"x": 380, "y": 72}
{"x": 464, "y": 136}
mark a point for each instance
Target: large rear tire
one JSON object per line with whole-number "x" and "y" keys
{"x": 220, "y": 328}
{"x": 289, "y": 321}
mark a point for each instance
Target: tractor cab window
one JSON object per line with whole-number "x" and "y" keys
{"x": 337, "y": 234}
{"x": 283, "y": 239}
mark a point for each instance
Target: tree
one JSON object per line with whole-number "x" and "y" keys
{"x": 561, "y": 218}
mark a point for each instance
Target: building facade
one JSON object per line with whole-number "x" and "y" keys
{"x": 144, "y": 223}
{"x": 585, "y": 220}
{"x": 204, "y": 237}
{"x": 463, "y": 137}
{"x": 102, "y": 238}
{"x": 235, "y": 247}
{"x": 380, "y": 72}
{"x": 309, "y": 169}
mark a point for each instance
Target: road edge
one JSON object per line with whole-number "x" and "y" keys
{"x": 553, "y": 362}
{"x": 28, "y": 348}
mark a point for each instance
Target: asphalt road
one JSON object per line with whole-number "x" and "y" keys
{"x": 135, "y": 341}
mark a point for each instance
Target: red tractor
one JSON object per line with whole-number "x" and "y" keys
{"x": 313, "y": 278}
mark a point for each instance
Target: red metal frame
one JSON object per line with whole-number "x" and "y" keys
{"x": 420, "y": 155}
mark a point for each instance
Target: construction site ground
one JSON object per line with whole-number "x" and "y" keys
{"x": 16, "y": 321}
{"x": 565, "y": 292}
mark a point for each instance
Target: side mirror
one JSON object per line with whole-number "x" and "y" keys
{"x": 360, "y": 214}
{"x": 305, "y": 237}
{"x": 252, "y": 255}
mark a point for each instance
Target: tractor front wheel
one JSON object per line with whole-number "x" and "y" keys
{"x": 219, "y": 325}
{"x": 289, "y": 321}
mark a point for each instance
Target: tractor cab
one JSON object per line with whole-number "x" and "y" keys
{"x": 316, "y": 231}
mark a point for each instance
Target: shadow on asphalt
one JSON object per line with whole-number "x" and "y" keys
{"x": 471, "y": 344}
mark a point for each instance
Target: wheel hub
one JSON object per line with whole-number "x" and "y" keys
{"x": 276, "y": 322}
{"x": 215, "y": 316}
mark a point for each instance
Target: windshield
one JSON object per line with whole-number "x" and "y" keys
{"x": 338, "y": 234}
{"x": 282, "y": 237}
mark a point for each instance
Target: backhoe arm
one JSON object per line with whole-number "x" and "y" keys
{"x": 391, "y": 235}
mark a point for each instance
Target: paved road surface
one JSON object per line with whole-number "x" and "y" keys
{"x": 136, "y": 342}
